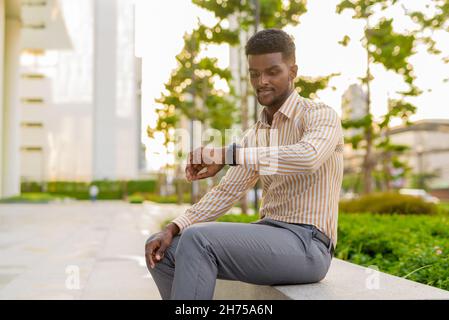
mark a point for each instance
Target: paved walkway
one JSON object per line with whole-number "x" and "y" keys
{"x": 78, "y": 250}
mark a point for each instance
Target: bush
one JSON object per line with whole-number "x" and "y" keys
{"x": 31, "y": 187}
{"x": 109, "y": 190}
{"x": 247, "y": 218}
{"x": 136, "y": 199}
{"x": 32, "y": 198}
{"x": 134, "y": 186}
{"x": 389, "y": 203}
{"x": 167, "y": 199}
{"x": 226, "y": 218}
{"x": 413, "y": 247}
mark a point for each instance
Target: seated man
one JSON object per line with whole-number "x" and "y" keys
{"x": 298, "y": 157}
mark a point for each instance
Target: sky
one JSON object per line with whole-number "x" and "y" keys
{"x": 160, "y": 26}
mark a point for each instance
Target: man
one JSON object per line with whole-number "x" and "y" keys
{"x": 296, "y": 150}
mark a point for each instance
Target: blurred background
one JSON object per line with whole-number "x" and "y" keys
{"x": 93, "y": 91}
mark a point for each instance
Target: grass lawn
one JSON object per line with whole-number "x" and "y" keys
{"x": 415, "y": 247}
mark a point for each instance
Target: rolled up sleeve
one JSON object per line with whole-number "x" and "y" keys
{"x": 322, "y": 133}
{"x": 215, "y": 203}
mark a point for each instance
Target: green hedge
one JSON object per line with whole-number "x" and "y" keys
{"x": 167, "y": 199}
{"x": 136, "y": 198}
{"x": 134, "y": 186}
{"x": 32, "y": 197}
{"x": 414, "y": 247}
{"x": 247, "y": 218}
{"x": 109, "y": 190}
{"x": 388, "y": 203}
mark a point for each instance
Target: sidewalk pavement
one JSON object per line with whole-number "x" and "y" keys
{"x": 78, "y": 250}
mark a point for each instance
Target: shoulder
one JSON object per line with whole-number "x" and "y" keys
{"x": 314, "y": 111}
{"x": 248, "y": 136}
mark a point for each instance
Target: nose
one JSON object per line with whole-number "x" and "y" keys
{"x": 263, "y": 79}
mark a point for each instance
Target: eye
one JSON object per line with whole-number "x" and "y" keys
{"x": 254, "y": 74}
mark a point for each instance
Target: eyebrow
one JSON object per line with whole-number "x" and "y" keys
{"x": 267, "y": 69}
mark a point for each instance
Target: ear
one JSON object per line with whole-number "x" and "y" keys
{"x": 293, "y": 72}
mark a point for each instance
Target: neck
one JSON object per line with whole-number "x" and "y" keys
{"x": 271, "y": 110}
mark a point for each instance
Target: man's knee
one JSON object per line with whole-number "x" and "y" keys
{"x": 152, "y": 237}
{"x": 192, "y": 232}
{"x": 194, "y": 236}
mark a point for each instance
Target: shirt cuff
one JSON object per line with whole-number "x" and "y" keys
{"x": 182, "y": 222}
{"x": 248, "y": 158}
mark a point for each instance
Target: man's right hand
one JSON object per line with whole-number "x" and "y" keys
{"x": 155, "y": 249}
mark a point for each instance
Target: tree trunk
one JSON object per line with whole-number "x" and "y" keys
{"x": 368, "y": 159}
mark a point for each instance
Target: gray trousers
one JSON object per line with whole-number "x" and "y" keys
{"x": 265, "y": 252}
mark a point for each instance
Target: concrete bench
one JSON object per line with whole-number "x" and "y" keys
{"x": 344, "y": 281}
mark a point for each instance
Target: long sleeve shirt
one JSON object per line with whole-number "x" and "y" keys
{"x": 299, "y": 160}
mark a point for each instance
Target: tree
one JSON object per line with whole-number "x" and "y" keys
{"x": 195, "y": 78}
{"x": 191, "y": 92}
{"x": 392, "y": 50}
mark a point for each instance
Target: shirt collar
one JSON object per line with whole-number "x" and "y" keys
{"x": 288, "y": 108}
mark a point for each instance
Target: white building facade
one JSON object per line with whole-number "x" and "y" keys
{"x": 76, "y": 90}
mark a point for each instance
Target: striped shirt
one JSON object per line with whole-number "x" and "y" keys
{"x": 299, "y": 160}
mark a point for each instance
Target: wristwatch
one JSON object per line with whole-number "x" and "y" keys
{"x": 231, "y": 154}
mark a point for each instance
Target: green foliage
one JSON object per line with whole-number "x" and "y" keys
{"x": 32, "y": 197}
{"x": 191, "y": 82}
{"x": 308, "y": 86}
{"x": 352, "y": 182}
{"x": 166, "y": 199}
{"x": 31, "y": 187}
{"x": 243, "y": 218}
{"x": 413, "y": 247}
{"x": 345, "y": 41}
{"x": 136, "y": 198}
{"x": 388, "y": 203}
{"x": 363, "y": 8}
{"x": 273, "y": 13}
{"x": 109, "y": 190}
{"x": 246, "y": 218}
{"x": 392, "y": 50}
{"x": 134, "y": 186}
{"x": 423, "y": 180}
{"x": 438, "y": 19}
{"x": 399, "y": 109}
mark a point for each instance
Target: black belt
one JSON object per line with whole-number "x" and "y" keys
{"x": 324, "y": 239}
{"x": 320, "y": 236}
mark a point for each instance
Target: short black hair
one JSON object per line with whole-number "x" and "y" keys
{"x": 271, "y": 41}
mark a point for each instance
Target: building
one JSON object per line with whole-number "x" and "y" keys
{"x": 116, "y": 118}
{"x": 353, "y": 106}
{"x": 25, "y": 25}
{"x": 429, "y": 149}
{"x": 77, "y": 88}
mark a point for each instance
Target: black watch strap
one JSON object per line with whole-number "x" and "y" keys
{"x": 231, "y": 154}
